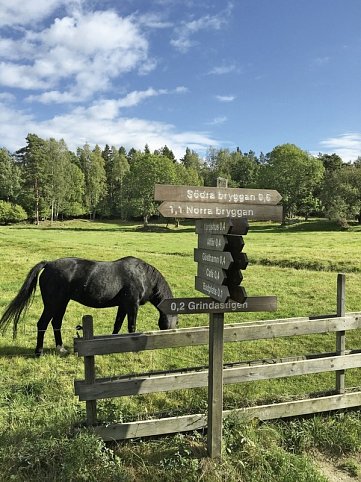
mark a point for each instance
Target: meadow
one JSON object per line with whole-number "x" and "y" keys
{"x": 42, "y": 422}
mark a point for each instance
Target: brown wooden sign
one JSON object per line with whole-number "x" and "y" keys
{"x": 194, "y": 210}
{"x": 212, "y": 273}
{"x": 220, "y": 292}
{"x": 214, "y": 290}
{"x": 222, "y": 226}
{"x": 231, "y": 276}
{"x": 201, "y": 194}
{"x": 190, "y": 306}
{"x": 221, "y": 259}
{"x": 219, "y": 242}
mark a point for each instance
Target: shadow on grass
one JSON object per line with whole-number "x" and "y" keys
{"x": 314, "y": 225}
{"x": 133, "y": 228}
{"x": 24, "y": 352}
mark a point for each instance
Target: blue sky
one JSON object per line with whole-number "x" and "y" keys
{"x": 251, "y": 74}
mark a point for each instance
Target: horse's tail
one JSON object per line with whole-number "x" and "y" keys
{"x": 22, "y": 300}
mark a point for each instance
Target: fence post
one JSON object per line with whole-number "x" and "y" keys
{"x": 89, "y": 370}
{"x": 340, "y": 335}
{"x": 215, "y": 385}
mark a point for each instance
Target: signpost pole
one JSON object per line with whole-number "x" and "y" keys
{"x": 340, "y": 335}
{"x": 215, "y": 385}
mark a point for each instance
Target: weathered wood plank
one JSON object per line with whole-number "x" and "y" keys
{"x": 215, "y": 385}
{"x": 161, "y": 382}
{"x": 198, "y": 421}
{"x": 289, "y": 369}
{"x": 170, "y": 192}
{"x": 139, "y": 385}
{"x": 146, "y": 428}
{"x": 300, "y": 407}
{"x": 341, "y": 336}
{"x": 105, "y": 344}
{"x": 89, "y": 371}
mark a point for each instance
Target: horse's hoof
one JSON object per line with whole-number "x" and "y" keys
{"x": 38, "y": 353}
{"x": 61, "y": 350}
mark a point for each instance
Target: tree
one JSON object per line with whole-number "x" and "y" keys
{"x": 191, "y": 160}
{"x": 116, "y": 168}
{"x": 293, "y": 173}
{"x": 73, "y": 202}
{"x": 36, "y": 176}
{"x": 93, "y": 167}
{"x": 244, "y": 168}
{"x": 59, "y": 175}
{"x": 218, "y": 164}
{"x": 166, "y": 152}
{"x": 145, "y": 171}
{"x": 341, "y": 193}
{"x": 9, "y": 176}
{"x": 331, "y": 162}
{"x": 11, "y": 213}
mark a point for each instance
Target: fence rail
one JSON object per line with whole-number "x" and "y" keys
{"x": 257, "y": 330}
{"x": 92, "y": 389}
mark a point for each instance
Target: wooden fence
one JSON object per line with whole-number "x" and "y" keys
{"x": 92, "y": 389}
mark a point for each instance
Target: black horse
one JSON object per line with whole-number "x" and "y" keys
{"x": 126, "y": 283}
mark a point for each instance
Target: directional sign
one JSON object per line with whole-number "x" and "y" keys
{"x": 240, "y": 260}
{"x": 231, "y": 276}
{"x": 218, "y": 242}
{"x": 237, "y": 293}
{"x": 212, "y": 241}
{"x": 220, "y": 292}
{"x": 217, "y": 292}
{"x": 194, "y": 210}
{"x": 193, "y": 306}
{"x": 212, "y": 273}
{"x": 164, "y": 192}
{"x": 222, "y": 226}
{"x": 234, "y": 243}
{"x": 222, "y": 259}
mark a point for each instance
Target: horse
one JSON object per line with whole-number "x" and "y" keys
{"x": 127, "y": 283}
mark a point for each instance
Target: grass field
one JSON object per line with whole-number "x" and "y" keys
{"x": 40, "y": 416}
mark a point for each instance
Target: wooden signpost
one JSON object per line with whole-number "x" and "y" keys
{"x": 196, "y": 210}
{"x": 189, "y": 306}
{"x": 221, "y": 222}
{"x": 229, "y": 195}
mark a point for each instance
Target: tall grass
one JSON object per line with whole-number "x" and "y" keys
{"x": 41, "y": 434}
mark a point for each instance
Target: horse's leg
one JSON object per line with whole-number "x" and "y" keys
{"x": 43, "y": 323}
{"x": 121, "y": 314}
{"x": 57, "y": 322}
{"x": 132, "y": 318}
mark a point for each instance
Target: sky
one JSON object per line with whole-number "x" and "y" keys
{"x": 251, "y": 74}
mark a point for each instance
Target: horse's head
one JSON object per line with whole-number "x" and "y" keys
{"x": 167, "y": 322}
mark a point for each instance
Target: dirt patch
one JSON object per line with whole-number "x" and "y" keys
{"x": 331, "y": 469}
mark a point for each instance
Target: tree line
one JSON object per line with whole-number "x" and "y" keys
{"x": 45, "y": 180}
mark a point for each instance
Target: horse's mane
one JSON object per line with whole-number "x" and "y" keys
{"x": 161, "y": 287}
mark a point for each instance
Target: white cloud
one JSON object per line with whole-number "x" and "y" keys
{"x": 153, "y": 20}
{"x": 20, "y": 12}
{"x": 224, "y": 69}
{"x": 320, "y": 61}
{"x": 347, "y": 146}
{"x": 99, "y": 124}
{"x": 183, "y": 35}
{"x": 218, "y": 120}
{"x": 135, "y": 97}
{"x": 225, "y": 98}
{"x": 85, "y": 51}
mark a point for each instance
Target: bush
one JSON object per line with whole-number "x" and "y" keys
{"x": 11, "y": 213}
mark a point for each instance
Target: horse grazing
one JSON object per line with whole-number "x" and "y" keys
{"x": 126, "y": 283}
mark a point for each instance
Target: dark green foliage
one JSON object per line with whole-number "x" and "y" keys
{"x": 11, "y": 213}
{"x": 51, "y": 182}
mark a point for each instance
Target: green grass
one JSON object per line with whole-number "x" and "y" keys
{"x": 39, "y": 414}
